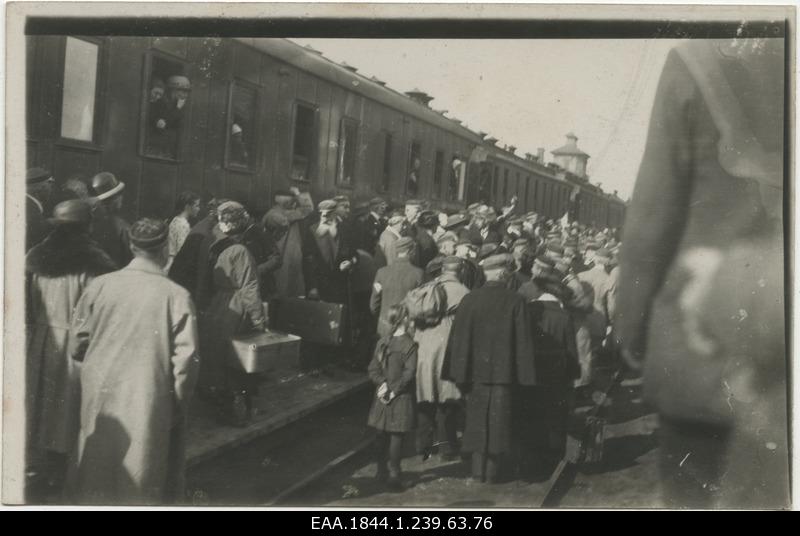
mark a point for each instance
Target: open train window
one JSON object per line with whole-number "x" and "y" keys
{"x": 505, "y": 187}
{"x": 348, "y": 152}
{"x": 304, "y": 141}
{"x": 438, "y": 164}
{"x": 80, "y": 89}
{"x": 386, "y": 176}
{"x": 457, "y": 176}
{"x": 414, "y": 176}
{"x": 166, "y": 96}
{"x": 240, "y": 138}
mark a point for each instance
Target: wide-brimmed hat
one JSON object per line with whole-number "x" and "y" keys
{"x": 105, "y": 185}
{"x": 71, "y": 211}
{"x": 36, "y": 175}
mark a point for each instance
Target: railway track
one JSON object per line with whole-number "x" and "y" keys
{"x": 325, "y": 459}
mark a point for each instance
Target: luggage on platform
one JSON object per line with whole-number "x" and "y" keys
{"x": 264, "y": 351}
{"x": 314, "y": 321}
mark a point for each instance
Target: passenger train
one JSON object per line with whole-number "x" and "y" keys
{"x": 244, "y": 118}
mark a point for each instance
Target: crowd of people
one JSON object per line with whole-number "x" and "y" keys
{"x": 462, "y": 310}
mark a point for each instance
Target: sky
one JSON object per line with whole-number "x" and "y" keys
{"x": 529, "y": 92}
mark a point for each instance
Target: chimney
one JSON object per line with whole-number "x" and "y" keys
{"x": 528, "y": 156}
{"x": 540, "y": 155}
{"x": 491, "y": 140}
{"x": 483, "y": 134}
{"x": 512, "y": 149}
{"x": 419, "y": 96}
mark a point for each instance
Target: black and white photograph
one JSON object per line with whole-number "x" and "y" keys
{"x": 380, "y": 257}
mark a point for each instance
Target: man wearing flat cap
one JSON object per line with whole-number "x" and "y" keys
{"x": 393, "y": 282}
{"x": 135, "y": 333}
{"x": 330, "y": 256}
{"x": 110, "y": 230}
{"x": 490, "y": 355}
{"x": 385, "y": 251}
{"x": 39, "y": 186}
{"x": 287, "y": 221}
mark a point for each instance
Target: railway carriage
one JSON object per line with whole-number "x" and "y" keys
{"x": 258, "y": 115}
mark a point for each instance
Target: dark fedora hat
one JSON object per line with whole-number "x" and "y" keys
{"x": 71, "y": 211}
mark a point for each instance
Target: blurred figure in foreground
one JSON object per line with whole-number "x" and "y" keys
{"x": 701, "y": 282}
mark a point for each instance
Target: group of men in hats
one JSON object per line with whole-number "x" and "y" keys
{"x": 111, "y": 359}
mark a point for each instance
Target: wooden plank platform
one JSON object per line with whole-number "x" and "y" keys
{"x": 283, "y": 398}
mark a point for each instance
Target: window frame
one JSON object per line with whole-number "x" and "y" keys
{"x": 311, "y": 166}
{"x": 410, "y": 164}
{"x": 100, "y": 94}
{"x": 341, "y": 151}
{"x": 438, "y": 166}
{"x": 385, "y": 179}
{"x": 145, "y": 99}
{"x": 229, "y": 122}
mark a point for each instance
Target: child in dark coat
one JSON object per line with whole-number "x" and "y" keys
{"x": 392, "y": 370}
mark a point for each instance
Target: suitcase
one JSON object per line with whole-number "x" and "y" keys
{"x": 265, "y": 351}
{"x": 314, "y": 321}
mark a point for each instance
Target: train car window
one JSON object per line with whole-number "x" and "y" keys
{"x": 304, "y": 141}
{"x": 167, "y": 92}
{"x": 438, "y": 164}
{"x": 455, "y": 184}
{"x": 386, "y": 178}
{"x": 241, "y": 128}
{"x": 348, "y": 151}
{"x": 505, "y": 187}
{"x": 517, "y": 188}
{"x": 79, "y": 95}
{"x": 414, "y": 169}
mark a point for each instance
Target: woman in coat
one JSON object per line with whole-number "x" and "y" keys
{"x": 58, "y": 270}
{"x": 235, "y": 308}
{"x": 438, "y": 399}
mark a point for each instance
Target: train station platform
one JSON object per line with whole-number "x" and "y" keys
{"x": 283, "y": 398}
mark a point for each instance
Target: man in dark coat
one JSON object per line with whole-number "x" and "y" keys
{"x": 371, "y": 225}
{"x": 544, "y": 421}
{"x": 471, "y": 275}
{"x": 266, "y": 254}
{"x": 110, "y": 230}
{"x": 711, "y": 174}
{"x": 329, "y": 256}
{"x": 480, "y": 232}
{"x": 39, "y": 184}
{"x": 490, "y": 355}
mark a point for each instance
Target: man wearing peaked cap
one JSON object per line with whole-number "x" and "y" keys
{"x": 393, "y": 282}
{"x": 135, "y": 330}
{"x": 110, "y": 229}
{"x": 39, "y": 192}
{"x": 371, "y": 225}
{"x": 491, "y": 356}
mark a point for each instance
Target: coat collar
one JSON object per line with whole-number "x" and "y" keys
{"x": 141, "y": 264}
